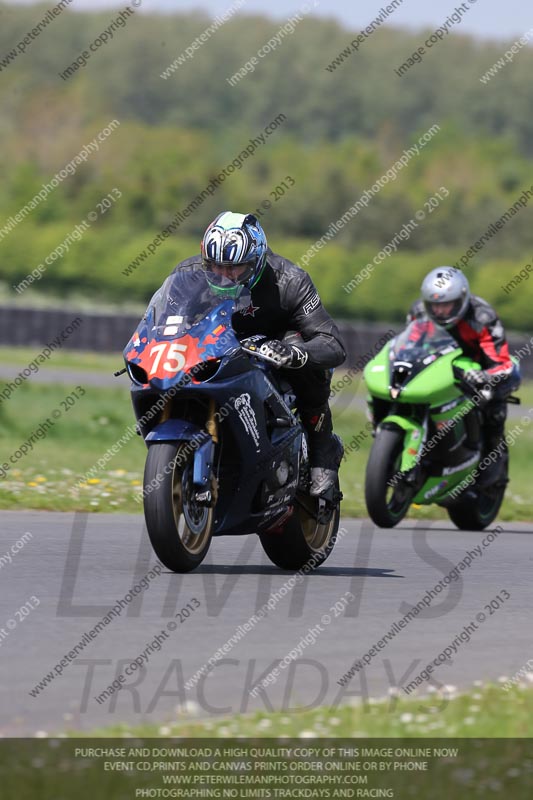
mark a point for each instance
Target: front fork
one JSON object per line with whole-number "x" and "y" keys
{"x": 415, "y": 438}
{"x": 206, "y": 487}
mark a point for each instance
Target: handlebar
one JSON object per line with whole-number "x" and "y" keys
{"x": 484, "y": 393}
{"x": 254, "y": 350}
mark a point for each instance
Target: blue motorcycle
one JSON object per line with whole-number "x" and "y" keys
{"x": 227, "y": 454}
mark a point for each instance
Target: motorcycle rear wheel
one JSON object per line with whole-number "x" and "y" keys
{"x": 303, "y": 541}
{"x": 180, "y": 529}
{"x": 475, "y": 515}
{"x": 386, "y": 504}
{"x": 470, "y": 514}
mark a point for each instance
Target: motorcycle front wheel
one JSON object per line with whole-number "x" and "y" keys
{"x": 180, "y": 529}
{"x": 387, "y": 502}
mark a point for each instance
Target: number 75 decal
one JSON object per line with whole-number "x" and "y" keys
{"x": 175, "y": 355}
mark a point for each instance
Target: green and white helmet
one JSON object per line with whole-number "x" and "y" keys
{"x": 235, "y": 240}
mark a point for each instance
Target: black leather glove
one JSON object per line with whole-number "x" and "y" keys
{"x": 478, "y": 382}
{"x": 282, "y": 355}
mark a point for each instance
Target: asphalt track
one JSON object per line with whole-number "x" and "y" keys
{"x": 78, "y": 566}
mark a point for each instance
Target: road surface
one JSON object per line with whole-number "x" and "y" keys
{"x": 64, "y": 579}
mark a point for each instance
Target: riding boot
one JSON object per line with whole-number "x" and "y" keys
{"x": 325, "y": 448}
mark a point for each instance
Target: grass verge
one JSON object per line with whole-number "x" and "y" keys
{"x": 484, "y": 711}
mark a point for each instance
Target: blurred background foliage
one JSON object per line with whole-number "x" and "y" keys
{"x": 344, "y": 129}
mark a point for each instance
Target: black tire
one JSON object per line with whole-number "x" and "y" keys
{"x": 180, "y": 530}
{"x": 387, "y": 505}
{"x": 476, "y": 513}
{"x": 303, "y": 541}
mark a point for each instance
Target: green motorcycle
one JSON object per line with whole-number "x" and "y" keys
{"x": 428, "y": 437}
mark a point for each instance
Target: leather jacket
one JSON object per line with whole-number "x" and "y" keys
{"x": 285, "y": 299}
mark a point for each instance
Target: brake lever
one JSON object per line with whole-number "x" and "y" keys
{"x": 485, "y": 393}
{"x": 254, "y": 351}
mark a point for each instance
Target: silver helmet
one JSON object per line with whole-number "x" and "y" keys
{"x": 446, "y": 295}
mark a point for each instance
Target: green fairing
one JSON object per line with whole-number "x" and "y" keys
{"x": 433, "y": 386}
{"x": 430, "y": 433}
{"x": 414, "y": 436}
{"x": 376, "y": 374}
{"x": 429, "y": 493}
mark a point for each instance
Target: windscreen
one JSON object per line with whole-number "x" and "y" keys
{"x": 187, "y": 322}
{"x": 421, "y": 338}
{"x": 187, "y": 297}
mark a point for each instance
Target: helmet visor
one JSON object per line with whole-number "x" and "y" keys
{"x": 222, "y": 286}
{"x": 444, "y": 313}
{"x": 237, "y": 273}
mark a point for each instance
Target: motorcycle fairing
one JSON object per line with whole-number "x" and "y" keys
{"x": 428, "y": 385}
{"x": 414, "y": 438}
{"x": 187, "y": 325}
{"x": 166, "y": 360}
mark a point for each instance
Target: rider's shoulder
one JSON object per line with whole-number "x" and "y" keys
{"x": 481, "y": 312}
{"x": 286, "y": 270}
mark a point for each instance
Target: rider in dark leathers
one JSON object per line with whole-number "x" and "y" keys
{"x": 286, "y": 308}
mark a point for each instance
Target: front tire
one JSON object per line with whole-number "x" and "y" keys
{"x": 386, "y": 504}
{"x": 180, "y": 529}
{"x": 304, "y": 540}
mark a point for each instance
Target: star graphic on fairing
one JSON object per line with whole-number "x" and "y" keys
{"x": 250, "y": 311}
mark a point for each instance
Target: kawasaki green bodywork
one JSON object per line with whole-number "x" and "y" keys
{"x": 434, "y": 387}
